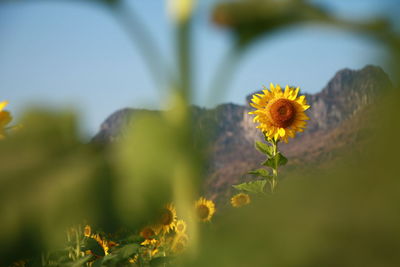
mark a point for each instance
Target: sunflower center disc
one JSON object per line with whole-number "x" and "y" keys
{"x": 242, "y": 200}
{"x": 147, "y": 233}
{"x": 282, "y": 113}
{"x": 203, "y": 211}
{"x": 166, "y": 218}
{"x": 179, "y": 227}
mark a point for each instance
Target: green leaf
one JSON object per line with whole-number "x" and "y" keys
{"x": 94, "y": 246}
{"x": 128, "y": 250}
{"x": 120, "y": 255}
{"x": 263, "y": 148}
{"x": 252, "y": 187}
{"x": 275, "y": 161}
{"x": 110, "y": 258}
{"x": 252, "y": 20}
{"x": 282, "y": 160}
{"x": 81, "y": 261}
{"x": 160, "y": 261}
{"x": 260, "y": 172}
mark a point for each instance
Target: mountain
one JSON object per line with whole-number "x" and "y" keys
{"x": 337, "y": 114}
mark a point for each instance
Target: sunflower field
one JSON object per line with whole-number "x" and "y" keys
{"x": 139, "y": 200}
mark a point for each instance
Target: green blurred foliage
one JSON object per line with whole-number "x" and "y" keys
{"x": 149, "y": 159}
{"x": 46, "y": 183}
{"x": 250, "y": 20}
{"x": 344, "y": 215}
{"x": 50, "y": 180}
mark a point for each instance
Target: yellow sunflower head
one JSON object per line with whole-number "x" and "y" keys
{"x": 5, "y": 118}
{"x": 134, "y": 259}
{"x": 180, "y": 227}
{"x": 205, "y": 209}
{"x": 151, "y": 242}
{"x": 280, "y": 113}
{"x": 240, "y": 200}
{"x": 147, "y": 232}
{"x": 102, "y": 242}
{"x": 87, "y": 231}
{"x": 167, "y": 219}
{"x": 180, "y": 243}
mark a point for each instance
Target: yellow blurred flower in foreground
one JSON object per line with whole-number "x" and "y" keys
{"x": 180, "y": 227}
{"x": 5, "y": 118}
{"x": 280, "y": 114}
{"x": 240, "y": 200}
{"x": 180, "y": 243}
{"x": 205, "y": 209}
{"x": 180, "y": 10}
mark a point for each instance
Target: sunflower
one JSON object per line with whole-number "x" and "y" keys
{"x": 240, "y": 200}
{"x": 5, "y": 118}
{"x": 180, "y": 10}
{"x": 180, "y": 243}
{"x": 205, "y": 209}
{"x": 134, "y": 259}
{"x": 148, "y": 233}
{"x": 87, "y": 231}
{"x": 280, "y": 114}
{"x": 105, "y": 244}
{"x": 180, "y": 226}
{"x": 167, "y": 219}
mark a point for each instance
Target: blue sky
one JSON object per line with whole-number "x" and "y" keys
{"x": 69, "y": 55}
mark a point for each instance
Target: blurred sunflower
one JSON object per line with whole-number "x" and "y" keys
{"x": 150, "y": 242}
{"x": 205, "y": 209}
{"x": 180, "y": 10}
{"x": 180, "y": 243}
{"x": 167, "y": 219}
{"x": 134, "y": 259}
{"x": 5, "y": 118}
{"x": 280, "y": 114}
{"x": 240, "y": 200}
{"x": 87, "y": 231}
{"x": 105, "y": 244}
{"x": 148, "y": 234}
{"x": 180, "y": 226}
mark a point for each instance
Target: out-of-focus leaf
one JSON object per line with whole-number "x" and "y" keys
{"x": 81, "y": 261}
{"x": 127, "y": 251}
{"x": 145, "y": 160}
{"x": 109, "y": 2}
{"x": 45, "y": 183}
{"x": 155, "y": 159}
{"x": 110, "y": 260}
{"x": 160, "y": 261}
{"x": 250, "y": 20}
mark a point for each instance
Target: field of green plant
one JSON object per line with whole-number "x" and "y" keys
{"x": 139, "y": 200}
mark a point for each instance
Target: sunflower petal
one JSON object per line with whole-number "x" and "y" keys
{"x": 281, "y": 132}
{"x": 3, "y": 104}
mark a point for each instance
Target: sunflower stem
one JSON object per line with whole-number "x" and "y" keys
{"x": 274, "y": 180}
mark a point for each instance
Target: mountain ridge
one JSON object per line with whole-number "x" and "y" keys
{"x": 231, "y": 143}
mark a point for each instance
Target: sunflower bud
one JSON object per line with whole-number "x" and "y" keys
{"x": 180, "y": 10}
